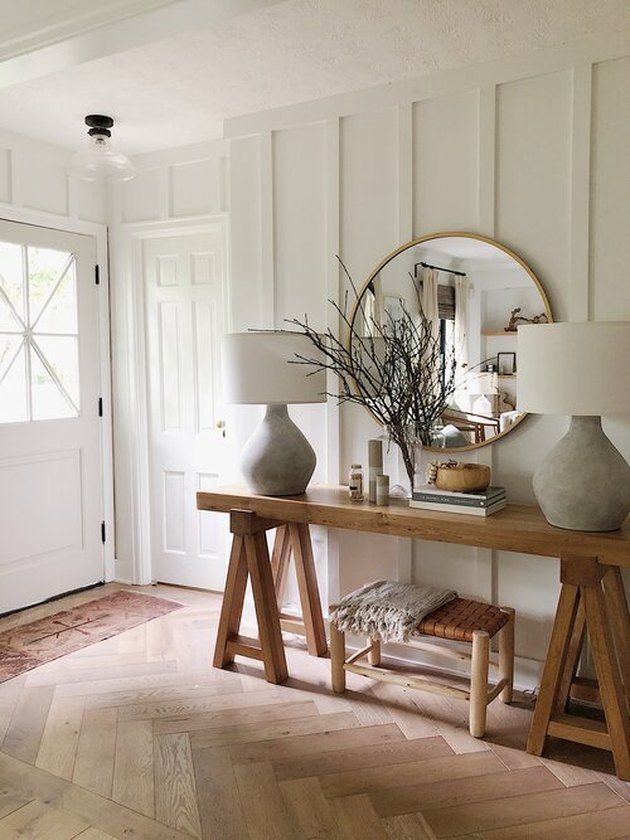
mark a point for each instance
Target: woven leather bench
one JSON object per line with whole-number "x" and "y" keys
{"x": 461, "y": 620}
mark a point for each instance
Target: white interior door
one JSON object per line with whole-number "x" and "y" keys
{"x": 185, "y": 319}
{"x": 50, "y": 450}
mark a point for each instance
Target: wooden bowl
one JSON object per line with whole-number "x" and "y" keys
{"x": 463, "y": 478}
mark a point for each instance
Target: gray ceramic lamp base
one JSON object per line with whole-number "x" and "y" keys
{"x": 584, "y": 483}
{"x": 278, "y": 460}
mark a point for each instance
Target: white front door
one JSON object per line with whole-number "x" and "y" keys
{"x": 50, "y": 451}
{"x": 185, "y": 318}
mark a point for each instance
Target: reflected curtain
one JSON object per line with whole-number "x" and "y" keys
{"x": 461, "y": 325}
{"x": 372, "y": 308}
{"x": 379, "y": 308}
{"x": 429, "y": 300}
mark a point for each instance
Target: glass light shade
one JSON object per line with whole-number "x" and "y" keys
{"x": 100, "y": 162}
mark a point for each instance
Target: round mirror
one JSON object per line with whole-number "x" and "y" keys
{"x": 470, "y": 293}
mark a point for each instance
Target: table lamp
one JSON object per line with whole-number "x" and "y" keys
{"x": 483, "y": 385}
{"x": 277, "y": 460}
{"x": 580, "y": 370}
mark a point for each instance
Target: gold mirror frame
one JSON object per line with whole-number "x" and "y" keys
{"x": 445, "y": 235}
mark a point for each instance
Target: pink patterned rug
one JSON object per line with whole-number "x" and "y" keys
{"x": 29, "y": 645}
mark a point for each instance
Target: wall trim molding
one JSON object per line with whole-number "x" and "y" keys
{"x": 179, "y": 155}
{"x": 99, "y": 33}
{"x": 74, "y": 24}
{"x": 267, "y": 233}
{"x": 333, "y": 415}
{"x": 579, "y": 240}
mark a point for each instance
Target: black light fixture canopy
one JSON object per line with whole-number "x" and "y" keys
{"x": 99, "y": 125}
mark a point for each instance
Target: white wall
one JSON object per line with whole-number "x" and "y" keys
{"x": 34, "y": 177}
{"x": 504, "y": 149}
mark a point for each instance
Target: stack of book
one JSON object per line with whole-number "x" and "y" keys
{"x": 485, "y": 503}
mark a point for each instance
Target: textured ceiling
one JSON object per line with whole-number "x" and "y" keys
{"x": 178, "y": 90}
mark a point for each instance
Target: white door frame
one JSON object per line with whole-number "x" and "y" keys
{"x": 133, "y": 236}
{"x": 10, "y": 213}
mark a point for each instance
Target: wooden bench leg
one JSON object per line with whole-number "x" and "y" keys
{"x": 309, "y": 592}
{"x": 374, "y": 656}
{"x": 479, "y": 683}
{"x": 506, "y": 656}
{"x": 337, "y": 658}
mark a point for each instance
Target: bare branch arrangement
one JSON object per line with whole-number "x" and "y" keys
{"x": 397, "y": 369}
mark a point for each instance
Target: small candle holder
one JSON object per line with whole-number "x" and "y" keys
{"x": 382, "y": 489}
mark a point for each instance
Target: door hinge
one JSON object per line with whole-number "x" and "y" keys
{"x": 103, "y": 533}
{"x": 100, "y": 406}
{"x": 97, "y": 275}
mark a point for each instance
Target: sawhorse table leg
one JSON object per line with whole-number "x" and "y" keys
{"x": 295, "y": 538}
{"x": 250, "y": 558}
{"x": 591, "y": 597}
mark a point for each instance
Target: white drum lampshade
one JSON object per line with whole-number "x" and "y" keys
{"x": 259, "y": 369}
{"x": 580, "y": 370}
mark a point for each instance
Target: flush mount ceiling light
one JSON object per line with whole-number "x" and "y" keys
{"x": 100, "y": 162}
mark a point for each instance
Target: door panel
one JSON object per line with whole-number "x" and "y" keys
{"x": 50, "y": 449}
{"x": 185, "y": 319}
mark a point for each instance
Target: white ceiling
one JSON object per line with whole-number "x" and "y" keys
{"x": 179, "y": 89}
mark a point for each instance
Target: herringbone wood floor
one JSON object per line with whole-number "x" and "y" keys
{"x": 138, "y": 736}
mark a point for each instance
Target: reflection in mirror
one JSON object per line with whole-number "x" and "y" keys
{"x": 474, "y": 294}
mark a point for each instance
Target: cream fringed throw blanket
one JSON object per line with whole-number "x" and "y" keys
{"x": 389, "y": 610}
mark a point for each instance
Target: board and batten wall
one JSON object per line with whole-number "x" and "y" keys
{"x": 533, "y": 152}
{"x": 34, "y": 178}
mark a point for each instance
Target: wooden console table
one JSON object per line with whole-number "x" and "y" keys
{"x": 592, "y": 596}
